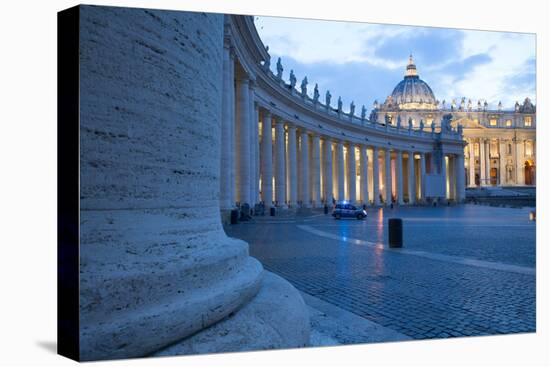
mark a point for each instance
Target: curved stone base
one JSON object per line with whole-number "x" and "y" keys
{"x": 276, "y": 318}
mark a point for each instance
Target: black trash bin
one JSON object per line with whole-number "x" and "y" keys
{"x": 234, "y": 216}
{"x": 395, "y": 232}
{"x": 272, "y": 211}
{"x": 325, "y": 209}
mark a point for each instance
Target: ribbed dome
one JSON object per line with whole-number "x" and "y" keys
{"x": 412, "y": 92}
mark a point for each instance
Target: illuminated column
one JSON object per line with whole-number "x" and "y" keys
{"x": 520, "y": 173}
{"x": 444, "y": 174}
{"x": 280, "y": 182}
{"x": 226, "y": 156}
{"x": 364, "y": 172}
{"x": 292, "y": 167}
{"x": 315, "y": 171}
{"x": 411, "y": 189}
{"x": 460, "y": 178}
{"x": 255, "y": 152}
{"x": 482, "y": 163}
{"x": 387, "y": 162}
{"x": 267, "y": 160}
{"x": 304, "y": 176}
{"x": 422, "y": 176}
{"x": 352, "y": 173}
{"x": 341, "y": 171}
{"x": 502, "y": 162}
{"x": 472, "y": 163}
{"x": 399, "y": 176}
{"x": 375, "y": 176}
{"x": 327, "y": 179}
{"x": 242, "y": 132}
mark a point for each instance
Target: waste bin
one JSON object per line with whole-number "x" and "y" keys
{"x": 395, "y": 232}
{"x": 325, "y": 209}
{"x": 272, "y": 211}
{"x": 234, "y": 216}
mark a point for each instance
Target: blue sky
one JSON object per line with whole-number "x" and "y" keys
{"x": 363, "y": 62}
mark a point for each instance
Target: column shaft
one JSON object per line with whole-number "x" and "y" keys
{"x": 388, "y": 183}
{"x": 304, "y": 182}
{"x": 255, "y": 149}
{"x": 502, "y": 162}
{"x": 460, "y": 178}
{"x": 444, "y": 174}
{"x": 242, "y": 133}
{"x": 364, "y": 174}
{"x": 327, "y": 180}
{"x": 399, "y": 176}
{"x": 280, "y": 182}
{"x": 472, "y": 163}
{"x": 411, "y": 189}
{"x": 422, "y": 176}
{"x": 352, "y": 173}
{"x": 267, "y": 160}
{"x": 315, "y": 171}
{"x": 226, "y": 159}
{"x": 520, "y": 173}
{"x": 341, "y": 171}
{"x": 375, "y": 176}
{"x": 482, "y": 163}
{"x": 292, "y": 167}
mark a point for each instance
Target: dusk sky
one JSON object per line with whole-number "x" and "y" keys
{"x": 363, "y": 62}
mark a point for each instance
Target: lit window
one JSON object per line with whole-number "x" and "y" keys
{"x": 493, "y": 122}
{"x": 476, "y": 121}
{"x": 528, "y": 148}
{"x": 508, "y": 122}
{"x": 429, "y": 121}
{"x": 527, "y": 121}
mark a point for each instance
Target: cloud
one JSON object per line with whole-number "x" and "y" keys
{"x": 364, "y": 62}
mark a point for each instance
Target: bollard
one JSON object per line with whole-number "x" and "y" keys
{"x": 234, "y": 216}
{"x": 272, "y": 211}
{"x": 326, "y": 209}
{"x": 395, "y": 232}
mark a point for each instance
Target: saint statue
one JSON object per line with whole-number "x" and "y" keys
{"x": 339, "y": 104}
{"x": 373, "y": 117}
{"x": 500, "y": 105}
{"x": 316, "y": 93}
{"x": 292, "y": 79}
{"x": 279, "y": 68}
{"x": 469, "y": 104}
{"x": 375, "y": 104}
{"x": 516, "y": 107}
{"x": 421, "y": 125}
{"x": 453, "y": 104}
{"x": 352, "y": 108}
{"x": 328, "y": 96}
{"x": 363, "y": 112}
{"x": 433, "y": 127}
{"x": 410, "y": 123}
{"x": 399, "y": 122}
{"x": 485, "y": 104}
{"x": 267, "y": 64}
{"x": 303, "y": 87}
{"x": 462, "y": 101}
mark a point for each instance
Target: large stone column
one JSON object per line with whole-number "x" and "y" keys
{"x": 422, "y": 176}
{"x": 502, "y": 162}
{"x": 304, "y": 175}
{"x": 280, "y": 182}
{"x": 364, "y": 172}
{"x": 327, "y": 179}
{"x": 472, "y": 163}
{"x": 341, "y": 171}
{"x": 387, "y": 183}
{"x": 375, "y": 176}
{"x": 352, "y": 173}
{"x": 411, "y": 179}
{"x": 226, "y": 156}
{"x": 460, "y": 178}
{"x": 243, "y": 141}
{"x": 399, "y": 174}
{"x": 232, "y": 134}
{"x": 315, "y": 171}
{"x": 292, "y": 167}
{"x": 444, "y": 174}
{"x": 482, "y": 163}
{"x": 520, "y": 173}
{"x": 267, "y": 160}
{"x": 156, "y": 268}
{"x": 254, "y": 147}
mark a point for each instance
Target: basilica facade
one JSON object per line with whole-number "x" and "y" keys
{"x": 500, "y": 149}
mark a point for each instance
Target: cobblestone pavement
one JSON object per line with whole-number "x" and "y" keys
{"x": 464, "y": 271}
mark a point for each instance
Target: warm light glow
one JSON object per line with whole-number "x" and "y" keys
{"x": 508, "y": 122}
{"x": 527, "y": 121}
{"x": 493, "y": 122}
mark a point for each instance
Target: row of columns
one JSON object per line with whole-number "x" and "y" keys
{"x": 265, "y": 161}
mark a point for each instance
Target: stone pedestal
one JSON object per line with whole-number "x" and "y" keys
{"x": 155, "y": 264}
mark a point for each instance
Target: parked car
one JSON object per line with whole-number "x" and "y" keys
{"x": 343, "y": 210}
